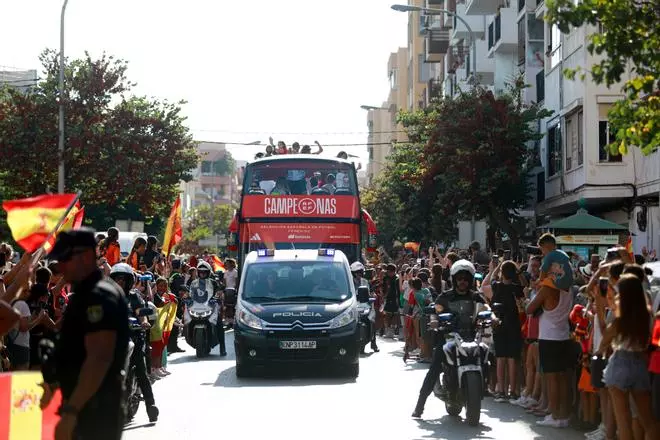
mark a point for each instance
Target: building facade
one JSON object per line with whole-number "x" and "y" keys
{"x": 505, "y": 40}
{"x": 17, "y": 78}
{"x": 212, "y": 183}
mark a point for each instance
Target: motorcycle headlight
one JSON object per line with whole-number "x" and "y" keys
{"x": 249, "y": 319}
{"x": 204, "y": 314}
{"x": 345, "y": 318}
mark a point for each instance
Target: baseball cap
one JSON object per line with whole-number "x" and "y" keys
{"x": 69, "y": 243}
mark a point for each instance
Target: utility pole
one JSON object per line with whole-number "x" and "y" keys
{"x": 60, "y": 146}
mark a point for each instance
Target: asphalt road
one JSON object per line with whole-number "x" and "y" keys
{"x": 203, "y": 399}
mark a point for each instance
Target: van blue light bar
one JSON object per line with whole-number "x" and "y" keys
{"x": 326, "y": 252}
{"x": 265, "y": 252}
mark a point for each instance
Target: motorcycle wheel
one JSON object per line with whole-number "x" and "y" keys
{"x": 133, "y": 401}
{"x": 453, "y": 409}
{"x": 472, "y": 390}
{"x": 200, "y": 344}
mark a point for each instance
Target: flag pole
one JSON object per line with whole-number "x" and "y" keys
{"x": 38, "y": 255}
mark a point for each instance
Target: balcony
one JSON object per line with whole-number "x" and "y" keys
{"x": 435, "y": 89}
{"x": 448, "y": 20}
{"x": 503, "y": 33}
{"x": 437, "y": 43}
{"x": 435, "y": 3}
{"x": 482, "y": 7}
{"x": 460, "y": 31}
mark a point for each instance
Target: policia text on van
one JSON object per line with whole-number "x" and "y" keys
{"x": 296, "y": 306}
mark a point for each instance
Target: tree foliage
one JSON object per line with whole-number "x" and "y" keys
{"x": 468, "y": 156}
{"x": 120, "y": 150}
{"x": 629, "y": 42}
{"x": 205, "y": 222}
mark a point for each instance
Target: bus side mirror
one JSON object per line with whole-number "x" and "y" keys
{"x": 363, "y": 294}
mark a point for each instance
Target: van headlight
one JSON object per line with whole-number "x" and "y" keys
{"x": 249, "y": 319}
{"x": 346, "y": 318}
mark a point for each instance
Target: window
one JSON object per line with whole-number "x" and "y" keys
{"x": 554, "y": 48}
{"x": 534, "y": 28}
{"x": 394, "y": 79}
{"x": 371, "y": 152}
{"x": 423, "y": 24}
{"x": 207, "y": 168}
{"x": 522, "y": 49}
{"x": 424, "y": 74}
{"x": 570, "y": 145}
{"x": 554, "y": 150}
{"x": 580, "y": 146}
{"x": 606, "y": 136}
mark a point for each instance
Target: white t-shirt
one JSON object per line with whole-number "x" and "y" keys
{"x": 23, "y": 338}
{"x": 230, "y": 278}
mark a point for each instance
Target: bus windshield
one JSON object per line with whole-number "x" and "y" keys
{"x": 300, "y": 177}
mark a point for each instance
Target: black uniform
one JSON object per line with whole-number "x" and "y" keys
{"x": 138, "y": 357}
{"x": 96, "y": 305}
{"x": 463, "y": 306}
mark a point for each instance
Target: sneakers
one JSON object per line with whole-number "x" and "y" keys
{"x": 513, "y": 398}
{"x": 500, "y": 398}
{"x": 551, "y": 422}
{"x": 597, "y": 434}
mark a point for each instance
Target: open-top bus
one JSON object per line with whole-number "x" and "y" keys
{"x": 300, "y": 202}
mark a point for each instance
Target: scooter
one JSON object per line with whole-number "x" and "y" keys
{"x": 462, "y": 385}
{"x": 200, "y": 319}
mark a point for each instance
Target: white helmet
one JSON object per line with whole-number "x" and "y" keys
{"x": 462, "y": 266}
{"x": 122, "y": 268}
{"x": 357, "y": 266}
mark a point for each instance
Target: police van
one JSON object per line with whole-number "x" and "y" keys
{"x": 296, "y": 306}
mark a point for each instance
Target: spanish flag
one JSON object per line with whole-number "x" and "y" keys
{"x": 629, "y": 249}
{"x": 218, "y": 265}
{"x": 174, "y": 231}
{"x": 412, "y": 246}
{"x": 73, "y": 220}
{"x": 20, "y": 415}
{"x": 32, "y": 220}
{"x": 160, "y": 331}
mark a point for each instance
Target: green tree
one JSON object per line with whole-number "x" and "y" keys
{"x": 127, "y": 154}
{"x": 205, "y": 223}
{"x": 627, "y": 41}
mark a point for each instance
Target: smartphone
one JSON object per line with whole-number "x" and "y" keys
{"x": 603, "y": 284}
{"x": 496, "y": 259}
{"x": 507, "y": 255}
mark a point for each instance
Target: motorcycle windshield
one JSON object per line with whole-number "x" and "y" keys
{"x": 201, "y": 291}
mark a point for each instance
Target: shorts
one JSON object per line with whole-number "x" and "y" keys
{"x": 18, "y": 355}
{"x": 508, "y": 345}
{"x": 555, "y": 356}
{"x": 627, "y": 371}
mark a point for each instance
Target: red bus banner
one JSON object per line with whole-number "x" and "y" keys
{"x": 269, "y": 233}
{"x": 314, "y": 206}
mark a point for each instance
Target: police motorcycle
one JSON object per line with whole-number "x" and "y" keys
{"x": 366, "y": 315}
{"x": 462, "y": 384}
{"x": 201, "y": 314}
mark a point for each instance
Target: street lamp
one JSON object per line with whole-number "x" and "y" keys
{"x": 371, "y": 107}
{"x": 60, "y": 146}
{"x": 431, "y": 11}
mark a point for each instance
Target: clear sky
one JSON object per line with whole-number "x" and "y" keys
{"x": 299, "y": 69}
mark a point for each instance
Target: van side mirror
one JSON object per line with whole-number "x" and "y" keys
{"x": 363, "y": 294}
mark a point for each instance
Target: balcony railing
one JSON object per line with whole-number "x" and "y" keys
{"x": 435, "y": 88}
{"x": 437, "y": 41}
{"x": 540, "y": 86}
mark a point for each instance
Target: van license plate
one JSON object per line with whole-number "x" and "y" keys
{"x": 297, "y": 345}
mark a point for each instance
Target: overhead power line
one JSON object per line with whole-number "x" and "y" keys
{"x": 329, "y": 133}
{"x": 323, "y": 145}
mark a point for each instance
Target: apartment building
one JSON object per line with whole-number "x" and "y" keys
{"x": 21, "y": 79}
{"x": 623, "y": 189}
{"x": 512, "y": 40}
{"x": 211, "y": 184}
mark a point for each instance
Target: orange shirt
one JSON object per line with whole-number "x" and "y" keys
{"x": 654, "y": 361}
{"x": 113, "y": 253}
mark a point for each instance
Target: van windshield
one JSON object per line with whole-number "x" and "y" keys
{"x": 313, "y": 281}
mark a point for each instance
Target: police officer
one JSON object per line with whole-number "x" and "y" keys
{"x": 464, "y": 302}
{"x": 357, "y": 270}
{"x": 91, "y": 349}
{"x": 204, "y": 282}
{"x": 123, "y": 275}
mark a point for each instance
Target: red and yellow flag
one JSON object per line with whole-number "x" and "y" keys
{"x": 20, "y": 415}
{"x": 73, "y": 220}
{"x": 629, "y": 249}
{"x": 218, "y": 265}
{"x": 32, "y": 220}
{"x": 174, "y": 231}
{"x": 412, "y": 246}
